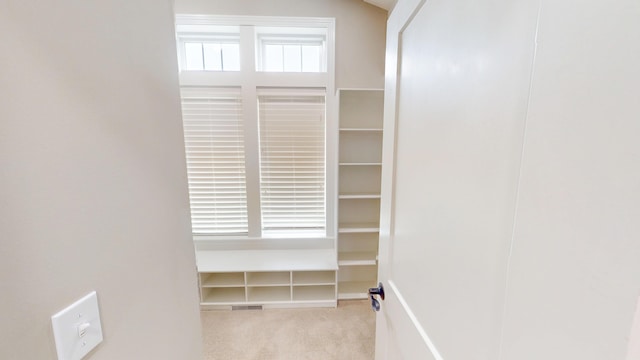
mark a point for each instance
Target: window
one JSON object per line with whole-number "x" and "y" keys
{"x": 291, "y": 49}
{"x": 214, "y": 143}
{"x": 208, "y": 55}
{"x": 209, "y": 48}
{"x": 292, "y": 162}
{"x": 256, "y": 145}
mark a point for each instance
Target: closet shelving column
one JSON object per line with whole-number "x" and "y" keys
{"x": 360, "y": 156}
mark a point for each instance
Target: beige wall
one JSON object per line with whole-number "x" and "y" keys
{"x": 93, "y": 190}
{"x": 360, "y": 31}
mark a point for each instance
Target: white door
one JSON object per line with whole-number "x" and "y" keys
{"x": 510, "y": 183}
{"x": 574, "y": 277}
{"x": 458, "y": 77}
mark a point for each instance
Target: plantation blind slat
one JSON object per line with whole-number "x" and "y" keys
{"x": 292, "y": 161}
{"x": 214, "y": 142}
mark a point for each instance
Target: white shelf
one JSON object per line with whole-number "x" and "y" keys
{"x": 361, "y": 129}
{"x": 354, "y": 289}
{"x": 222, "y": 280}
{"x": 360, "y": 164}
{"x": 357, "y": 258}
{"x": 359, "y": 196}
{"x": 358, "y": 228}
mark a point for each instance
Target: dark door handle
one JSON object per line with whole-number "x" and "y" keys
{"x": 375, "y": 304}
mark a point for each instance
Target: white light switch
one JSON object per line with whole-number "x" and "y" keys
{"x": 77, "y": 329}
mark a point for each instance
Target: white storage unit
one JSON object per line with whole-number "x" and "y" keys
{"x": 360, "y": 156}
{"x": 267, "y": 278}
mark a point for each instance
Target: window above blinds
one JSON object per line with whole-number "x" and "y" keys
{"x": 292, "y": 160}
{"x": 214, "y": 143}
{"x": 286, "y": 49}
{"x": 209, "y": 48}
{"x": 211, "y": 55}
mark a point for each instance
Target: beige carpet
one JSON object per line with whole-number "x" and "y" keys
{"x": 344, "y": 333}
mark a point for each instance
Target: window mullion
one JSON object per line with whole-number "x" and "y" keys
{"x": 252, "y": 146}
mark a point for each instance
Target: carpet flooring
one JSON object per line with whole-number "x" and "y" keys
{"x": 344, "y": 333}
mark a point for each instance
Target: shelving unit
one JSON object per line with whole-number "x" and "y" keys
{"x": 268, "y": 278}
{"x": 360, "y": 154}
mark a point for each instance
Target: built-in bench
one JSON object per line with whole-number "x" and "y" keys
{"x": 267, "y": 278}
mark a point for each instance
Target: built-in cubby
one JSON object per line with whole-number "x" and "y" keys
{"x": 268, "y": 278}
{"x": 354, "y": 281}
{"x": 360, "y": 163}
{"x": 226, "y": 295}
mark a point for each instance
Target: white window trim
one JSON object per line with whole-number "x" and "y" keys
{"x": 249, "y": 79}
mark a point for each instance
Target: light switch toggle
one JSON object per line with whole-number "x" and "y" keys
{"x": 77, "y": 329}
{"x": 82, "y": 329}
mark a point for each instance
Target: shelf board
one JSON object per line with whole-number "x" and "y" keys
{"x": 314, "y": 278}
{"x": 361, "y": 129}
{"x": 220, "y": 296}
{"x": 354, "y": 289}
{"x": 223, "y": 280}
{"x": 357, "y": 258}
{"x": 269, "y": 294}
{"x": 359, "y": 196}
{"x": 358, "y": 228}
{"x": 314, "y": 293}
{"x": 360, "y": 164}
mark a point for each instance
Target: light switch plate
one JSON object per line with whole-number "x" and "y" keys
{"x": 77, "y": 328}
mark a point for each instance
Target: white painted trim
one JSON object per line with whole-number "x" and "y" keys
{"x": 414, "y": 320}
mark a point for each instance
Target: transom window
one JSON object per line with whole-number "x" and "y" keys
{"x": 291, "y": 49}
{"x": 211, "y": 55}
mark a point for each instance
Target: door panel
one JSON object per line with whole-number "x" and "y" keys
{"x": 409, "y": 341}
{"x": 471, "y": 121}
{"x": 575, "y": 269}
{"x": 453, "y": 140}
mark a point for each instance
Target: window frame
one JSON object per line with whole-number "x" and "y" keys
{"x": 250, "y": 79}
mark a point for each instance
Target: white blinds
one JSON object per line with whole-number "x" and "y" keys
{"x": 214, "y": 141}
{"x": 292, "y": 160}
